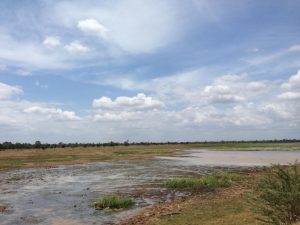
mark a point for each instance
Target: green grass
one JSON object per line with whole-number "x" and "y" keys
{"x": 204, "y": 183}
{"x": 225, "y": 211}
{"x": 113, "y": 202}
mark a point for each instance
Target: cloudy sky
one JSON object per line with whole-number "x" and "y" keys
{"x": 150, "y": 70}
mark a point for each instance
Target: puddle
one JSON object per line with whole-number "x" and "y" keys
{"x": 65, "y": 194}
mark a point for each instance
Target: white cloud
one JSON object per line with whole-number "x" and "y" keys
{"x": 293, "y": 82}
{"x": 38, "y": 84}
{"x": 76, "y": 47}
{"x": 93, "y": 27}
{"x": 194, "y": 87}
{"x": 126, "y": 108}
{"x": 17, "y": 52}
{"x": 118, "y": 116}
{"x": 244, "y": 115}
{"x": 52, "y": 113}
{"x": 228, "y": 89}
{"x": 23, "y": 73}
{"x": 294, "y": 48}
{"x": 256, "y": 86}
{"x": 52, "y": 42}
{"x": 138, "y": 102}
{"x": 134, "y": 26}
{"x": 7, "y": 91}
{"x": 253, "y": 50}
{"x": 221, "y": 94}
{"x": 290, "y": 95}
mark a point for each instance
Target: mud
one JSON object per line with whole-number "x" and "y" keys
{"x": 66, "y": 194}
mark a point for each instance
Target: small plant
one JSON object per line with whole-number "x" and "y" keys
{"x": 276, "y": 198}
{"x": 113, "y": 202}
{"x": 205, "y": 183}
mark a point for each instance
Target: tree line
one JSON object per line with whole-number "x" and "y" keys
{"x": 39, "y": 145}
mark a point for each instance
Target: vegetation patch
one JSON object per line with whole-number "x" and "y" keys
{"x": 204, "y": 183}
{"x": 276, "y": 197}
{"x": 143, "y": 152}
{"x": 113, "y": 202}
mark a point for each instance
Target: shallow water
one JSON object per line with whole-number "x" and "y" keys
{"x": 65, "y": 194}
{"x": 235, "y": 158}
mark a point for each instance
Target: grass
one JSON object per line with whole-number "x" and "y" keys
{"x": 277, "y": 188}
{"x": 213, "y": 211}
{"x": 12, "y": 159}
{"x": 204, "y": 183}
{"x": 20, "y": 162}
{"x": 114, "y": 202}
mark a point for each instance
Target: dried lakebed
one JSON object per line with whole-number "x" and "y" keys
{"x": 65, "y": 194}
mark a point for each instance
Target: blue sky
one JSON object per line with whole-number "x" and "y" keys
{"x": 95, "y": 71}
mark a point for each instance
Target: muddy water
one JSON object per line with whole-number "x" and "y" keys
{"x": 234, "y": 158}
{"x": 65, "y": 195}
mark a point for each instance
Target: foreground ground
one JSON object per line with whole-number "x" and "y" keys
{"x": 227, "y": 206}
{"x": 11, "y": 159}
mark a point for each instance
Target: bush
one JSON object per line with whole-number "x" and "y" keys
{"x": 113, "y": 202}
{"x": 205, "y": 183}
{"x": 276, "y": 198}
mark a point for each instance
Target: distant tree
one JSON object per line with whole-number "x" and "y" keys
{"x": 126, "y": 143}
{"x": 38, "y": 144}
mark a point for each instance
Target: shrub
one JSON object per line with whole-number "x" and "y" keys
{"x": 276, "y": 198}
{"x": 113, "y": 202}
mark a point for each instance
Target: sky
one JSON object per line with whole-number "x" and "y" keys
{"x": 149, "y": 70}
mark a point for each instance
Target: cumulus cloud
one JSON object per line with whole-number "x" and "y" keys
{"x": 15, "y": 53}
{"x": 117, "y": 116}
{"x": 229, "y": 89}
{"x": 126, "y": 108}
{"x": 92, "y": 27}
{"x": 52, "y": 113}
{"x": 290, "y": 95}
{"x": 138, "y": 102}
{"x": 131, "y": 25}
{"x": 293, "y": 82}
{"x": 76, "y": 47}
{"x": 221, "y": 94}
{"x": 239, "y": 115}
{"x": 52, "y": 41}
{"x": 7, "y": 91}
{"x": 289, "y": 98}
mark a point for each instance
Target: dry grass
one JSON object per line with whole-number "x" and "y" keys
{"x": 52, "y": 157}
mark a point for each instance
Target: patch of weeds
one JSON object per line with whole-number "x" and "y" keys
{"x": 113, "y": 202}
{"x": 204, "y": 183}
